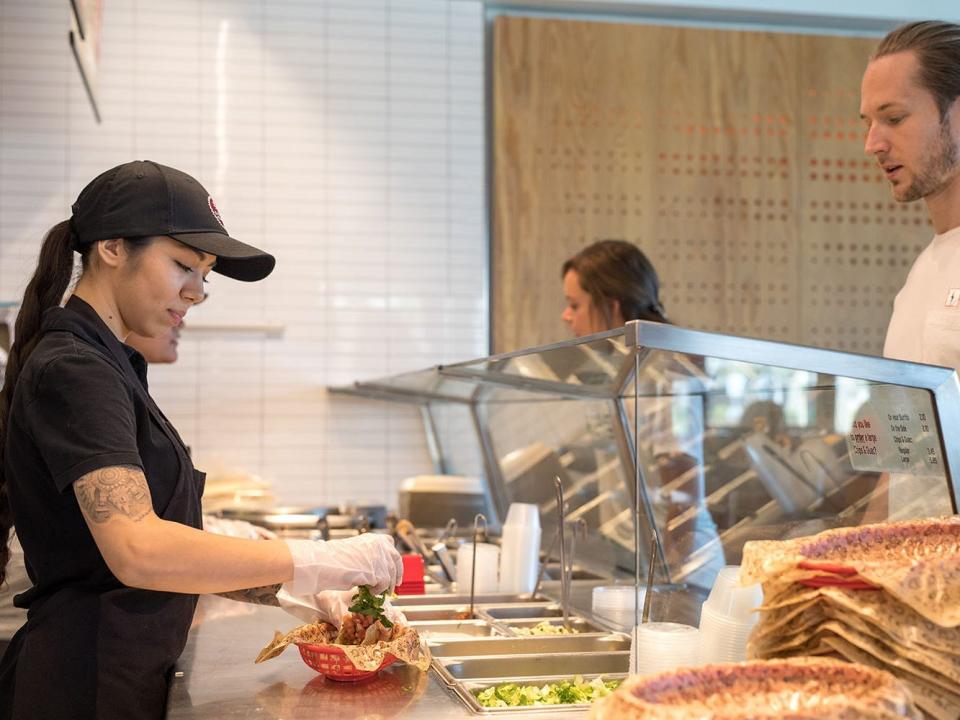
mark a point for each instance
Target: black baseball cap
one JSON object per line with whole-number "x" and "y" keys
{"x": 143, "y": 198}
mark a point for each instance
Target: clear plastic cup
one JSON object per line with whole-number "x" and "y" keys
{"x": 727, "y": 617}
{"x": 660, "y": 646}
{"x": 523, "y": 514}
{"x": 488, "y": 562}
{"x": 731, "y": 599}
{"x": 723, "y": 639}
{"x": 616, "y": 603}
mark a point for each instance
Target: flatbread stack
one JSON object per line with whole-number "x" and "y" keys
{"x": 760, "y": 690}
{"x": 884, "y": 595}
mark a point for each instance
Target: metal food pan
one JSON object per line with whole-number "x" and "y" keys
{"x": 416, "y": 613}
{"x": 577, "y": 624}
{"x": 464, "y": 690}
{"x": 507, "y": 668}
{"x": 472, "y": 628}
{"x": 460, "y": 599}
{"x": 530, "y": 645}
{"x": 518, "y": 611}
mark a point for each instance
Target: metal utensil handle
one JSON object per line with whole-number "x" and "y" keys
{"x": 564, "y": 585}
{"x": 473, "y": 563}
{"x": 648, "y": 593}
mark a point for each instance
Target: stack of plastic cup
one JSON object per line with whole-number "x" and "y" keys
{"x": 660, "y": 646}
{"x": 616, "y": 603}
{"x": 488, "y": 562}
{"x": 727, "y": 617}
{"x": 520, "y": 549}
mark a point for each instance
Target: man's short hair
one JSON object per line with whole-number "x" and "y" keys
{"x": 937, "y": 46}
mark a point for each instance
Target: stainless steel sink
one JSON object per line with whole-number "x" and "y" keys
{"x": 530, "y": 645}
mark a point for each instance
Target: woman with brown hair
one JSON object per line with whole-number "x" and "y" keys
{"x": 606, "y": 285}
{"x": 101, "y": 488}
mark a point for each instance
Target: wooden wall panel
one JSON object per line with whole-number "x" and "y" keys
{"x": 707, "y": 149}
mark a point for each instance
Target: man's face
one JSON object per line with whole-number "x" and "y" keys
{"x": 915, "y": 148}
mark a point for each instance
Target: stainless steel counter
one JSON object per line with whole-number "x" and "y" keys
{"x": 217, "y": 678}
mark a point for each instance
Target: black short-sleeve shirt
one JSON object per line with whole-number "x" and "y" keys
{"x": 81, "y": 404}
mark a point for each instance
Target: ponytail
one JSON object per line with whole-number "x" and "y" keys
{"x": 46, "y": 290}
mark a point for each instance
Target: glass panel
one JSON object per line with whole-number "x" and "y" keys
{"x": 573, "y": 439}
{"x": 457, "y": 439}
{"x": 596, "y": 364}
{"x": 735, "y": 451}
{"x": 425, "y": 383}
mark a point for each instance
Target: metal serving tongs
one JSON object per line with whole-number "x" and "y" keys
{"x": 473, "y": 564}
{"x": 566, "y": 564}
{"x": 639, "y": 618}
{"x": 441, "y": 550}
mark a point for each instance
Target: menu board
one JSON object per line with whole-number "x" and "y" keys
{"x": 896, "y": 431}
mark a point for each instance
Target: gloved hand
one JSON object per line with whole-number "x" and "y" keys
{"x": 329, "y": 606}
{"x": 367, "y": 559}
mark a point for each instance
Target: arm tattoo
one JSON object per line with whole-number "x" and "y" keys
{"x": 119, "y": 491}
{"x": 266, "y": 595}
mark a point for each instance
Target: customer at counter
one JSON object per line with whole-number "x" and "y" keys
{"x": 605, "y": 285}
{"x": 102, "y": 491}
{"x": 910, "y": 104}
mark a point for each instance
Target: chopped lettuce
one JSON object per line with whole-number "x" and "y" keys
{"x": 564, "y": 692}
{"x": 544, "y": 628}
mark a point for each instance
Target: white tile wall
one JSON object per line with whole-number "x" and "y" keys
{"x": 346, "y": 137}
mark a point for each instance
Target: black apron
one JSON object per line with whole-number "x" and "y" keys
{"x": 109, "y": 651}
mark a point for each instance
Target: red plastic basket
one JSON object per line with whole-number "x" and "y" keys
{"x": 331, "y": 661}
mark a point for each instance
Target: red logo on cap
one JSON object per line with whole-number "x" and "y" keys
{"x": 216, "y": 213}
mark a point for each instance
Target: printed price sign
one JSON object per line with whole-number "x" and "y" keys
{"x": 895, "y": 431}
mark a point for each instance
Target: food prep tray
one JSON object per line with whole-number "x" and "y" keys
{"x": 482, "y": 650}
{"x": 404, "y": 601}
{"x": 577, "y": 624}
{"x": 523, "y": 610}
{"x": 530, "y": 645}
{"x": 519, "y": 668}
{"x": 464, "y": 690}
{"x": 473, "y": 628}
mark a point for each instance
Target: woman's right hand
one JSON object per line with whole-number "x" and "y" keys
{"x": 367, "y": 559}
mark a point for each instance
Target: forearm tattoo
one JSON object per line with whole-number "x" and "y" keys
{"x": 119, "y": 491}
{"x": 266, "y": 595}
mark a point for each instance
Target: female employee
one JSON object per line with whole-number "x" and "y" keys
{"x": 100, "y": 486}
{"x": 605, "y": 285}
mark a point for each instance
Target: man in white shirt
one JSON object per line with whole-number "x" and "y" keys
{"x": 910, "y": 104}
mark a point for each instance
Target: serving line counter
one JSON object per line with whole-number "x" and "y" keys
{"x": 216, "y": 676}
{"x": 674, "y": 448}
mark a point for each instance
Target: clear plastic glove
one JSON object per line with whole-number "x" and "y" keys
{"x": 367, "y": 559}
{"x": 329, "y": 606}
